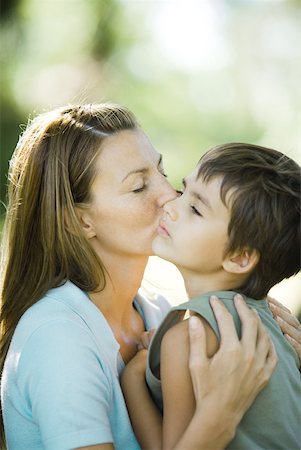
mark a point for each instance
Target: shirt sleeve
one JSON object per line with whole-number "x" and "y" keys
{"x": 152, "y": 307}
{"x": 64, "y": 383}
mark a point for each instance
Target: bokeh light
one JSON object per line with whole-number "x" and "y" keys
{"x": 195, "y": 72}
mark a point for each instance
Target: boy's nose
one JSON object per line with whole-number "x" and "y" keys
{"x": 170, "y": 209}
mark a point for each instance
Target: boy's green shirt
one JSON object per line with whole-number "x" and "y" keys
{"x": 273, "y": 421}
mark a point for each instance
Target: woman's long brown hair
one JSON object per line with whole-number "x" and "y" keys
{"x": 50, "y": 174}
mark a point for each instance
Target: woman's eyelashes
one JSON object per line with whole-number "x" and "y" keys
{"x": 140, "y": 189}
{"x": 181, "y": 191}
{"x": 144, "y": 186}
{"x": 162, "y": 172}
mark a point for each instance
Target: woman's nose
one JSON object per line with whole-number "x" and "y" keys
{"x": 168, "y": 193}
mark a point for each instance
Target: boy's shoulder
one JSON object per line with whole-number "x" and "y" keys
{"x": 201, "y": 305}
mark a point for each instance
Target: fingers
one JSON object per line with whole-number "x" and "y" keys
{"x": 145, "y": 339}
{"x": 274, "y": 303}
{"x": 286, "y": 317}
{"x": 151, "y": 334}
{"x": 250, "y": 323}
{"x": 293, "y": 328}
{"x": 289, "y": 324}
{"x": 198, "y": 361}
{"x": 197, "y": 342}
{"x": 296, "y": 346}
{"x": 140, "y": 346}
{"x": 271, "y": 361}
{"x": 225, "y": 322}
{"x": 264, "y": 349}
{"x": 290, "y": 327}
{"x": 293, "y": 342}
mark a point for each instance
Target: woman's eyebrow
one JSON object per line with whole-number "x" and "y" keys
{"x": 142, "y": 170}
{"x": 132, "y": 172}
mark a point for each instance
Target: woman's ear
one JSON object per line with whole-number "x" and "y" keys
{"x": 241, "y": 262}
{"x": 84, "y": 221}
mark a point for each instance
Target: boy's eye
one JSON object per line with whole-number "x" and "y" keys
{"x": 179, "y": 193}
{"x": 195, "y": 211}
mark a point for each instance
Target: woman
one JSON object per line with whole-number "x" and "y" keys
{"x": 86, "y": 190}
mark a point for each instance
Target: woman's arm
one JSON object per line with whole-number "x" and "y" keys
{"x": 288, "y": 323}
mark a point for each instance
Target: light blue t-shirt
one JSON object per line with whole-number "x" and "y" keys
{"x": 60, "y": 384}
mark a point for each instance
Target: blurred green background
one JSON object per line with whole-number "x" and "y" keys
{"x": 195, "y": 72}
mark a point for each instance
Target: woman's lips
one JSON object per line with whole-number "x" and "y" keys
{"x": 162, "y": 230}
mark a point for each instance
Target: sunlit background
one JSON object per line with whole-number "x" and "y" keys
{"x": 196, "y": 73}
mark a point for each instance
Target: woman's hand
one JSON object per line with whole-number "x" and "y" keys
{"x": 137, "y": 365}
{"x": 289, "y": 324}
{"x": 145, "y": 339}
{"x": 135, "y": 368}
{"x": 238, "y": 371}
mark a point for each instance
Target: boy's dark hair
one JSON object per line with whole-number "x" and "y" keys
{"x": 265, "y": 207}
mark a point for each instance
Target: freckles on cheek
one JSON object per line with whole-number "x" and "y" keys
{"x": 148, "y": 213}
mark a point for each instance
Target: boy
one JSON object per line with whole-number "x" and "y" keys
{"x": 234, "y": 229}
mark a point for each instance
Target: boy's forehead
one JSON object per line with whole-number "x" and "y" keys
{"x": 195, "y": 176}
{"x": 211, "y": 188}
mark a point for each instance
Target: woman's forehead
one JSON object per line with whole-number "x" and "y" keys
{"x": 126, "y": 151}
{"x": 129, "y": 143}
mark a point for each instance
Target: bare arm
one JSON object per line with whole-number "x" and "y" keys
{"x": 180, "y": 428}
{"x": 145, "y": 417}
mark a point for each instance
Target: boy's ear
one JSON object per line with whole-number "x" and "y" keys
{"x": 85, "y": 222}
{"x": 243, "y": 261}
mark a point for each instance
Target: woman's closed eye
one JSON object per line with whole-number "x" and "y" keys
{"x": 163, "y": 173}
{"x": 161, "y": 168}
{"x": 140, "y": 189}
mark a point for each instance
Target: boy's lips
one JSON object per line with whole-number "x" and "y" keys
{"x": 162, "y": 230}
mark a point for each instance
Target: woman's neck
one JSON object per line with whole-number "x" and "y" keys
{"x": 123, "y": 279}
{"x": 115, "y": 302}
